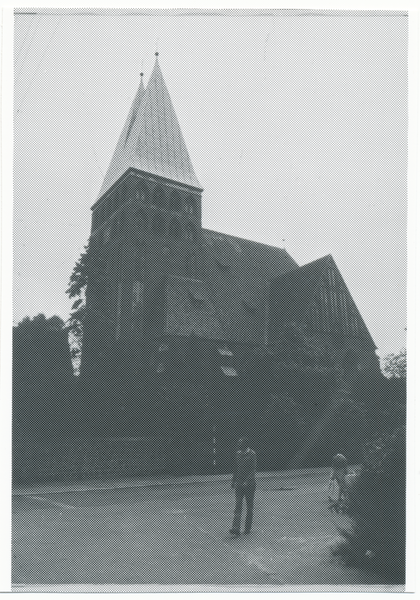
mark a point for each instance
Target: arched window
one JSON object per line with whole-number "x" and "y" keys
{"x": 141, "y": 223}
{"x": 141, "y": 194}
{"x": 159, "y": 198}
{"x": 189, "y": 205}
{"x": 120, "y": 223}
{"x": 175, "y": 202}
{"x": 113, "y": 202}
{"x": 139, "y": 262}
{"x": 107, "y": 233}
{"x": 123, "y": 194}
{"x": 190, "y": 233}
{"x": 175, "y": 229}
{"x": 158, "y": 225}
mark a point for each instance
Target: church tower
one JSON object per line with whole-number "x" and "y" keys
{"x": 146, "y": 225}
{"x": 185, "y": 327}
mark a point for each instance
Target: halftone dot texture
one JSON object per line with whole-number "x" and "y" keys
{"x": 178, "y": 535}
{"x": 151, "y": 139}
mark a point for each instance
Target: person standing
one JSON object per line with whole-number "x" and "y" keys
{"x": 339, "y": 472}
{"x": 243, "y": 482}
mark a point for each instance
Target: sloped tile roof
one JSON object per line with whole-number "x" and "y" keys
{"x": 119, "y": 159}
{"x": 189, "y": 309}
{"x": 294, "y": 290}
{"x": 151, "y": 139}
{"x": 291, "y": 295}
{"x": 237, "y": 273}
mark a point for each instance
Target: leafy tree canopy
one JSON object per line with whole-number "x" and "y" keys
{"x": 395, "y": 365}
{"x": 40, "y": 322}
{"x": 79, "y": 276}
{"x": 41, "y": 350}
{"x": 77, "y": 289}
{"x": 90, "y": 267}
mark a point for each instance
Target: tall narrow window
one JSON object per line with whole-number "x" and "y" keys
{"x": 343, "y": 308}
{"x": 123, "y": 194}
{"x": 174, "y": 229}
{"x": 189, "y": 205}
{"x": 137, "y": 298}
{"x": 139, "y": 262}
{"x": 334, "y": 304}
{"x": 120, "y": 223}
{"x": 158, "y": 225}
{"x": 107, "y": 234}
{"x": 324, "y": 310}
{"x": 141, "y": 223}
{"x": 175, "y": 202}
{"x": 159, "y": 198}
{"x": 141, "y": 193}
{"x": 190, "y": 233}
{"x": 118, "y": 312}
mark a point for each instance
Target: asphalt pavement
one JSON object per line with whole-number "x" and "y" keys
{"x": 171, "y": 534}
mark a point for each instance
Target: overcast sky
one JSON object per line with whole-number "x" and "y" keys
{"x": 296, "y": 127}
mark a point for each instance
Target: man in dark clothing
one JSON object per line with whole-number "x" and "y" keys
{"x": 243, "y": 482}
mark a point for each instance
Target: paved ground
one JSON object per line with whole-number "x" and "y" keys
{"x": 139, "y": 535}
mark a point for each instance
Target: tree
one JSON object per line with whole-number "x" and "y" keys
{"x": 280, "y": 432}
{"x": 88, "y": 276}
{"x": 395, "y": 365}
{"x": 42, "y": 376}
{"x": 377, "y": 498}
{"x": 376, "y": 536}
{"x": 77, "y": 289}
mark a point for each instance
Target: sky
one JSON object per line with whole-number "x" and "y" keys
{"x": 296, "y": 126}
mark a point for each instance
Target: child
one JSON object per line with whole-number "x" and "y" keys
{"x": 339, "y": 472}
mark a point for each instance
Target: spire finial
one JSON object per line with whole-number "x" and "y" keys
{"x": 157, "y": 48}
{"x": 156, "y": 54}
{"x": 141, "y": 74}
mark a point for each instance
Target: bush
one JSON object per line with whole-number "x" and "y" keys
{"x": 377, "y": 509}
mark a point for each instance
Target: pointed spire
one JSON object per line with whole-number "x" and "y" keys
{"x": 151, "y": 139}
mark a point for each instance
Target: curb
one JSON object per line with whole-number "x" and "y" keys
{"x": 79, "y": 486}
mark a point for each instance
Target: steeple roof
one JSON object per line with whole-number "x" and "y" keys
{"x": 151, "y": 139}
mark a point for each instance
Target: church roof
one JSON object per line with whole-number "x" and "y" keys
{"x": 151, "y": 139}
{"x": 292, "y": 294}
{"x": 189, "y": 309}
{"x": 237, "y": 273}
{"x": 295, "y": 289}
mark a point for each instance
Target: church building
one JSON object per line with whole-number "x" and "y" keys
{"x": 181, "y": 320}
